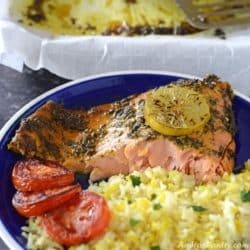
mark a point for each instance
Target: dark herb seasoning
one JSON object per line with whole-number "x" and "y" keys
{"x": 210, "y": 125}
{"x": 211, "y": 80}
{"x": 215, "y": 113}
{"x": 139, "y": 128}
{"x": 213, "y": 101}
{"x": 131, "y": 116}
{"x": 50, "y": 148}
{"x": 229, "y": 120}
{"x": 220, "y": 33}
{"x": 37, "y": 124}
{"x": 186, "y": 141}
{"x": 228, "y": 93}
{"x": 88, "y": 26}
{"x": 69, "y": 119}
{"x": 183, "y": 29}
{"x": 52, "y": 7}
{"x": 27, "y": 144}
{"x": 221, "y": 151}
{"x": 130, "y": 1}
{"x": 124, "y": 113}
{"x": 194, "y": 84}
{"x": 73, "y": 20}
{"x": 90, "y": 138}
{"x": 35, "y": 11}
{"x": 230, "y": 154}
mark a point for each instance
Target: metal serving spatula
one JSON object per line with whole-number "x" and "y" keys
{"x": 205, "y": 16}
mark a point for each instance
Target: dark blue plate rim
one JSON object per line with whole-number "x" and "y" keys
{"x": 4, "y": 234}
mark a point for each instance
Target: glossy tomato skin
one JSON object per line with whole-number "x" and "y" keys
{"x": 34, "y": 175}
{"x": 78, "y": 221}
{"x": 37, "y": 203}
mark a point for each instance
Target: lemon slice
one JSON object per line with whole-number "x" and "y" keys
{"x": 176, "y": 110}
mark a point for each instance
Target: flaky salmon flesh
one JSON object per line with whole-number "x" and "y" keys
{"x": 114, "y": 138}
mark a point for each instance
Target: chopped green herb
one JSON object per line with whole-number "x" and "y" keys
{"x": 136, "y": 180}
{"x": 130, "y": 202}
{"x": 237, "y": 168}
{"x": 153, "y": 196}
{"x": 157, "y": 206}
{"x": 133, "y": 222}
{"x": 155, "y": 248}
{"x": 198, "y": 208}
{"x": 245, "y": 195}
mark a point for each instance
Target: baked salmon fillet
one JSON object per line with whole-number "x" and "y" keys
{"x": 114, "y": 138}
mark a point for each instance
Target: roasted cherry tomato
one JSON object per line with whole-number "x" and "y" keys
{"x": 78, "y": 221}
{"x": 33, "y": 175}
{"x": 37, "y": 203}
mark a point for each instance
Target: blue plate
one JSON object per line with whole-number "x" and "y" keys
{"x": 85, "y": 93}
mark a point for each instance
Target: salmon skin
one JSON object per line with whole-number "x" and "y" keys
{"x": 113, "y": 138}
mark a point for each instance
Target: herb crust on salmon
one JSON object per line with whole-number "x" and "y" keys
{"x": 114, "y": 138}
